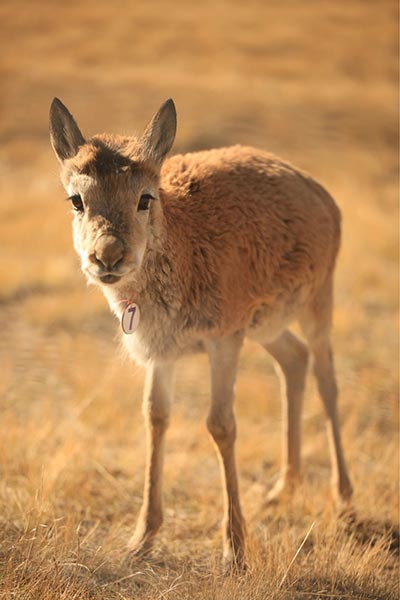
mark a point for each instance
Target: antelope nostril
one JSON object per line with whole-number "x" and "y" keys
{"x": 108, "y": 264}
{"x": 108, "y": 252}
{"x": 96, "y": 261}
{"x": 118, "y": 263}
{"x": 113, "y": 263}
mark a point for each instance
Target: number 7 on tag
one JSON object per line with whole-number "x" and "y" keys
{"x": 130, "y": 318}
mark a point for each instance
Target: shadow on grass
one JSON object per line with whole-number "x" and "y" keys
{"x": 371, "y": 532}
{"x": 324, "y": 588}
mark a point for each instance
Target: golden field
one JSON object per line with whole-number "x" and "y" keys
{"x": 314, "y": 82}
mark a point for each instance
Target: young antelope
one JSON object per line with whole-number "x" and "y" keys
{"x": 195, "y": 253}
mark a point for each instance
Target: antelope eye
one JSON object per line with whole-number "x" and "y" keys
{"x": 144, "y": 202}
{"x": 77, "y": 202}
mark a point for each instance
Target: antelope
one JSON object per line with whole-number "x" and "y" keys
{"x": 194, "y": 253}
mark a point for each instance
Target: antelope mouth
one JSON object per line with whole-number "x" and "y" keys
{"x": 109, "y": 278}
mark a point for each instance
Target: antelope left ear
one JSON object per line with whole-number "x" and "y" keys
{"x": 159, "y": 134}
{"x": 65, "y": 134}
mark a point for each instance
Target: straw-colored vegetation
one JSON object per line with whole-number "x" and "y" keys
{"x": 312, "y": 81}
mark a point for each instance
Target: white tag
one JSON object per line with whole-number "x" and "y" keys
{"x": 130, "y": 318}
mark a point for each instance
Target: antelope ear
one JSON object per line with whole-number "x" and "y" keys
{"x": 65, "y": 134}
{"x": 159, "y": 134}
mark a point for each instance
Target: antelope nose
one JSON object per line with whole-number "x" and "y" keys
{"x": 108, "y": 252}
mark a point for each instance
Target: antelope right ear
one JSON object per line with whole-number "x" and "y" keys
{"x": 65, "y": 134}
{"x": 159, "y": 134}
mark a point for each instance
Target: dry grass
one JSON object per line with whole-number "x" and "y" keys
{"x": 313, "y": 81}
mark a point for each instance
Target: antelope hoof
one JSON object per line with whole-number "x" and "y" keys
{"x": 140, "y": 548}
{"x": 282, "y": 490}
{"x": 141, "y": 543}
{"x": 234, "y": 564}
{"x": 342, "y": 498}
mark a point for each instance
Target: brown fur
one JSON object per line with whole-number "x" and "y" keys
{"x": 236, "y": 243}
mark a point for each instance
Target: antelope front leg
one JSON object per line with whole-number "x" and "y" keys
{"x": 156, "y": 410}
{"x": 221, "y": 424}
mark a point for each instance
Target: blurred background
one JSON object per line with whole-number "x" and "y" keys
{"x": 312, "y": 81}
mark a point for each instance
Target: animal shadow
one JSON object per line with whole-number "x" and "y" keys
{"x": 371, "y": 531}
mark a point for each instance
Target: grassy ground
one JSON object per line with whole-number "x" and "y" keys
{"x": 312, "y": 81}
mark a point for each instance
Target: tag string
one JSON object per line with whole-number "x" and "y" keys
{"x": 126, "y": 300}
